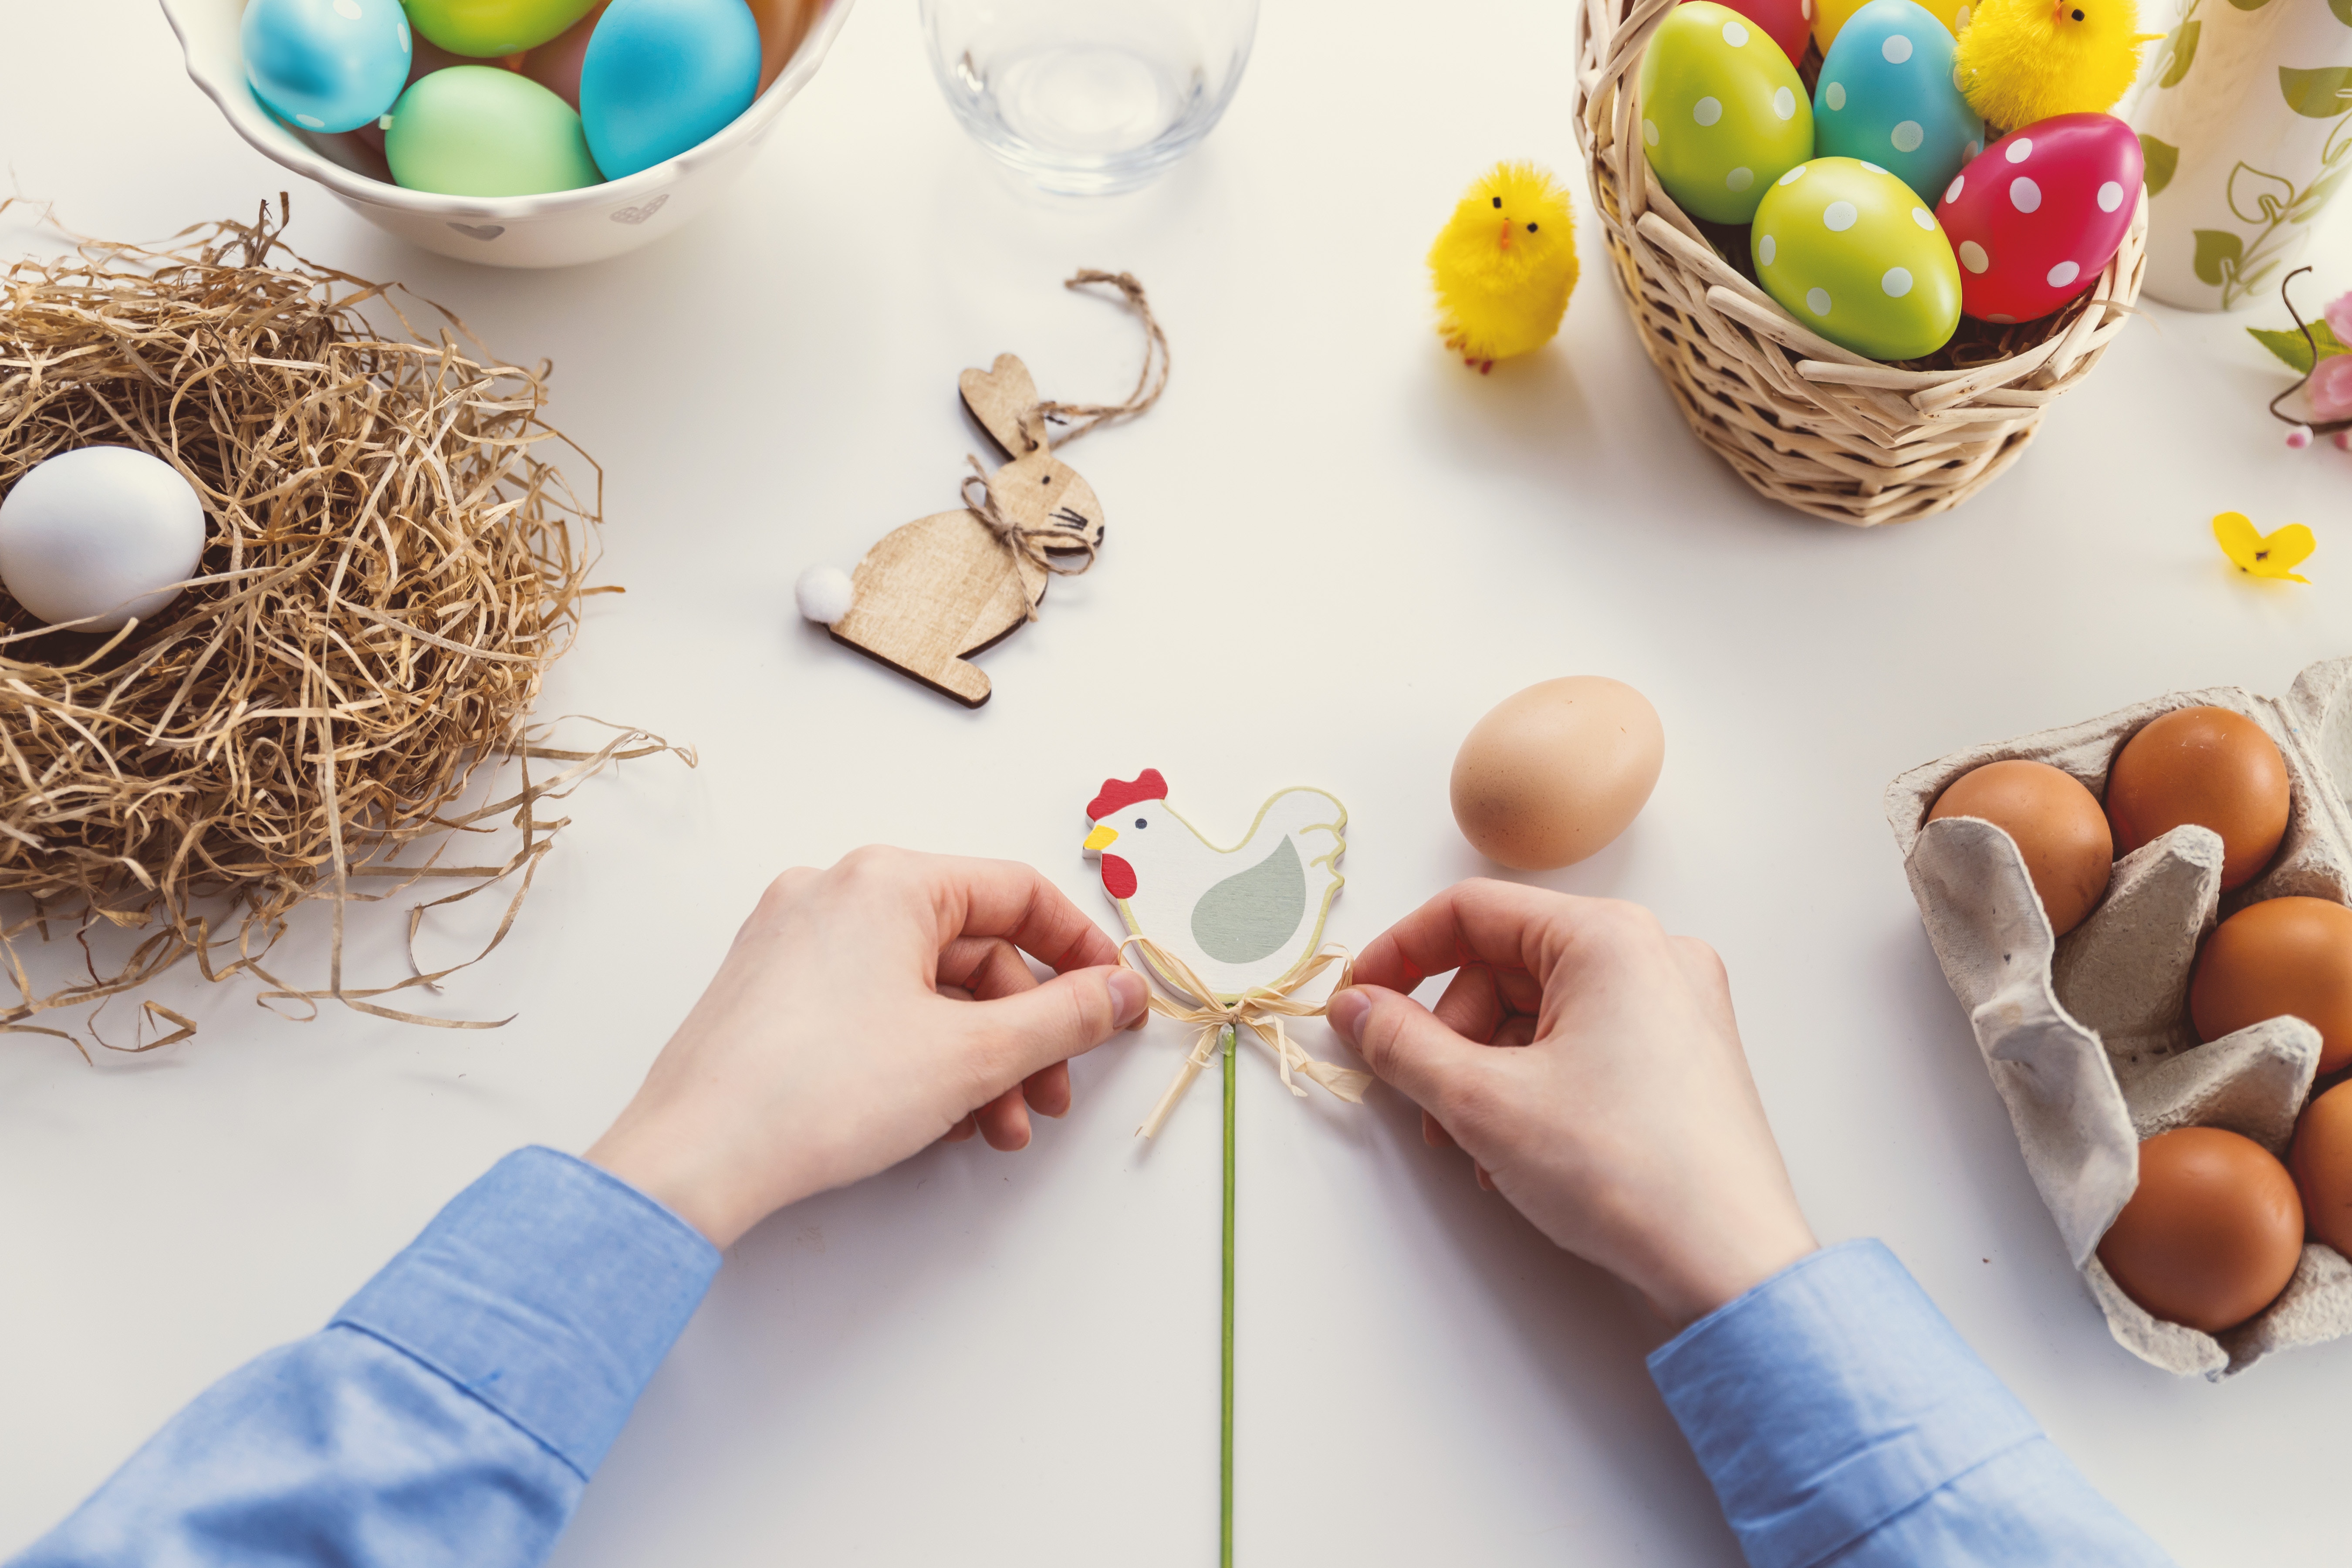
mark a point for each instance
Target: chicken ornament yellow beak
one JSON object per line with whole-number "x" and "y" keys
{"x": 1101, "y": 839}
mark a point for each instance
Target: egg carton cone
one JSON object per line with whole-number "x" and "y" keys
{"x": 2087, "y": 1037}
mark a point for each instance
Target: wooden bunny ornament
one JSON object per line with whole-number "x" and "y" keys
{"x": 931, "y": 595}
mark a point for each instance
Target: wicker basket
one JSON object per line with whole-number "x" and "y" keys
{"x": 1803, "y": 421}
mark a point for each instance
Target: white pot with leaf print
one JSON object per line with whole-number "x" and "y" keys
{"x": 2247, "y": 123}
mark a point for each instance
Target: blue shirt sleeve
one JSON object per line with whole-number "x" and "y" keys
{"x": 452, "y": 1410}
{"x": 1843, "y": 1421}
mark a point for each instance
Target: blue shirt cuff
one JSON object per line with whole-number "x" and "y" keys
{"x": 1828, "y": 1399}
{"x": 550, "y": 1291}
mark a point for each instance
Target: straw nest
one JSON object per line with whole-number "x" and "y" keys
{"x": 1805, "y": 422}
{"x": 389, "y": 570}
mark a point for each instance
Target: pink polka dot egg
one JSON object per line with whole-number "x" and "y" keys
{"x": 2035, "y": 217}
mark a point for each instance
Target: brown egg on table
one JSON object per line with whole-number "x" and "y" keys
{"x": 1554, "y": 773}
{"x": 2209, "y": 766}
{"x": 2322, "y": 1162}
{"x": 2280, "y": 956}
{"x": 2057, "y": 824}
{"x": 2212, "y": 1234}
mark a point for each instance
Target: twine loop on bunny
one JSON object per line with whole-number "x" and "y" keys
{"x": 1150, "y": 383}
{"x": 1037, "y": 546}
{"x": 1260, "y": 1010}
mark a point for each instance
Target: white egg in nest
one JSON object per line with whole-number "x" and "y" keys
{"x": 98, "y": 535}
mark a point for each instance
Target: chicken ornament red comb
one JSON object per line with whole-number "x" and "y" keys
{"x": 1228, "y": 937}
{"x": 1117, "y": 793}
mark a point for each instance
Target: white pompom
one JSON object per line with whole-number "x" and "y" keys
{"x": 824, "y": 594}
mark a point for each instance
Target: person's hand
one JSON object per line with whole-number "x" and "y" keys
{"x": 1626, "y": 1125}
{"x": 863, "y": 1014}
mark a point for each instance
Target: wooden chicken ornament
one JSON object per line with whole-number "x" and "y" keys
{"x": 1240, "y": 918}
{"x": 1228, "y": 937}
{"x": 1231, "y": 933}
{"x": 935, "y": 593}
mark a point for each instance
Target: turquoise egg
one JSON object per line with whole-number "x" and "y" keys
{"x": 1723, "y": 111}
{"x": 1885, "y": 96}
{"x": 663, "y": 76}
{"x": 1855, "y": 254}
{"x": 326, "y": 65}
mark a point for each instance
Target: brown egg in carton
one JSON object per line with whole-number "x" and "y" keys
{"x": 2087, "y": 1037}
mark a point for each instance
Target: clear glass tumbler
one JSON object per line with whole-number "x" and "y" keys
{"x": 1089, "y": 96}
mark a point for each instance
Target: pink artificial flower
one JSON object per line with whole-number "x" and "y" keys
{"x": 2330, "y": 388}
{"x": 2339, "y": 318}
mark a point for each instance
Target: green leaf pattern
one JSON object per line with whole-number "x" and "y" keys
{"x": 2320, "y": 94}
{"x": 2258, "y": 197}
{"x": 2270, "y": 203}
{"x": 2182, "y": 48}
{"x": 2217, "y": 254}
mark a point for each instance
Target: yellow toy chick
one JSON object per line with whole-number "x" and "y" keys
{"x": 1504, "y": 266}
{"x": 2024, "y": 60}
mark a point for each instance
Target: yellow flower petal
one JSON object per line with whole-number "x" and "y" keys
{"x": 2273, "y": 555}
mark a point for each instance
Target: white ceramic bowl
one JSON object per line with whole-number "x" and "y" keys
{"x": 561, "y": 229}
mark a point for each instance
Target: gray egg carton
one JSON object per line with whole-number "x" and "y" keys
{"x": 2087, "y": 1037}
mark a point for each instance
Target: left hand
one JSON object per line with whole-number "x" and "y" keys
{"x": 862, "y": 1014}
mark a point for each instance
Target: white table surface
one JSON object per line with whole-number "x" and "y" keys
{"x": 1330, "y": 548}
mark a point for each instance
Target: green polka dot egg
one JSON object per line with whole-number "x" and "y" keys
{"x": 1852, "y": 253}
{"x": 1723, "y": 111}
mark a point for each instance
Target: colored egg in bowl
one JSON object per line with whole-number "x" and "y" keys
{"x": 556, "y": 228}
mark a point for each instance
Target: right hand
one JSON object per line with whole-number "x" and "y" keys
{"x": 1624, "y": 1124}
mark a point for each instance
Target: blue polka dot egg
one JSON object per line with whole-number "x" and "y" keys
{"x": 326, "y": 65}
{"x": 1886, "y": 94}
{"x": 1852, "y": 253}
{"x": 1723, "y": 113}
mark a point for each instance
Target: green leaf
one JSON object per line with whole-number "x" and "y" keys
{"x": 2218, "y": 253}
{"x": 2250, "y": 4}
{"x": 2318, "y": 94}
{"x": 2162, "y": 158}
{"x": 2183, "y": 43}
{"x": 2291, "y": 348}
{"x": 2343, "y": 9}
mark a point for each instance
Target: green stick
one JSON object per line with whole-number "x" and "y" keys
{"x": 1226, "y": 1424}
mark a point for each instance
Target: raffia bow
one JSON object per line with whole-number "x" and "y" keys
{"x": 1038, "y": 546}
{"x": 1260, "y": 1010}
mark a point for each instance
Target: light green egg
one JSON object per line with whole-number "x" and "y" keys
{"x": 480, "y": 131}
{"x": 1852, "y": 253}
{"x": 1723, "y": 113}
